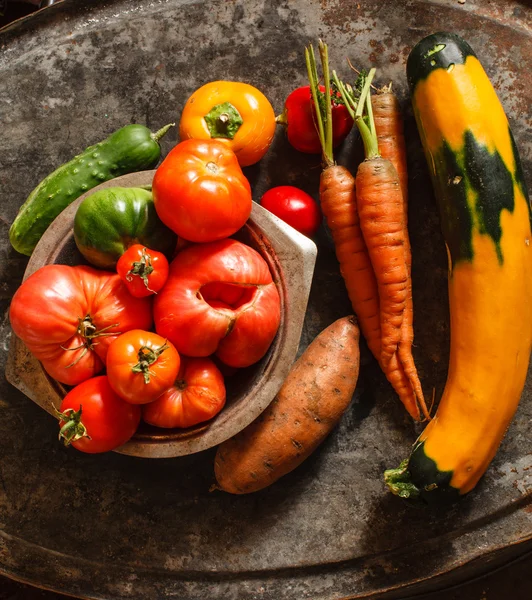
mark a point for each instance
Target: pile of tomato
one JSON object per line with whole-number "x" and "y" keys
{"x": 168, "y": 301}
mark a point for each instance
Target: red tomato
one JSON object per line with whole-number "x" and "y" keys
{"x": 141, "y": 365}
{"x": 295, "y": 207}
{"x": 94, "y": 419}
{"x": 143, "y": 271}
{"x": 197, "y": 395}
{"x": 200, "y": 191}
{"x": 68, "y": 316}
{"x": 219, "y": 298}
{"x": 299, "y": 117}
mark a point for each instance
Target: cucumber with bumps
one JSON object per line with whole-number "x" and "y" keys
{"x": 129, "y": 149}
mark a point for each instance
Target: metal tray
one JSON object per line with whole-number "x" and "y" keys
{"x": 116, "y": 526}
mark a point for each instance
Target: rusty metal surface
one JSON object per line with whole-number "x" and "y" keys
{"x": 115, "y": 526}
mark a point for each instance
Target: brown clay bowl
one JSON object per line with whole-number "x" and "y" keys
{"x": 291, "y": 258}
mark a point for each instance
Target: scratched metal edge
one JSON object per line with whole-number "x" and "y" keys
{"x": 519, "y": 544}
{"x": 202, "y": 583}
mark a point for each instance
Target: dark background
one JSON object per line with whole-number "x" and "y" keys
{"x": 513, "y": 581}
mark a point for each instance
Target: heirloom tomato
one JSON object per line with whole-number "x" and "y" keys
{"x": 200, "y": 191}
{"x": 68, "y": 316}
{"x": 236, "y": 113}
{"x": 198, "y": 394}
{"x": 219, "y": 298}
{"x": 293, "y": 206}
{"x": 93, "y": 419}
{"x": 111, "y": 220}
{"x": 141, "y": 365}
{"x": 143, "y": 271}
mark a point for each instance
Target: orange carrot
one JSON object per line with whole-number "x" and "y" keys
{"x": 339, "y": 206}
{"x": 380, "y": 206}
{"x": 391, "y": 142}
{"x": 382, "y": 217}
{"x": 380, "y": 209}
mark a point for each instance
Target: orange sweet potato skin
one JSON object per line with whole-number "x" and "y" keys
{"x": 311, "y": 401}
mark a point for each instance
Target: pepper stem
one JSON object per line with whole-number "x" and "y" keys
{"x": 223, "y": 121}
{"x": 147, "y": 356}
{"x": 399, "y": 481}
{"x": 159, "y": 134}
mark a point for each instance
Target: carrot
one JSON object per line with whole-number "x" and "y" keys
{"x": 391, "y": 142}
{"x": 314, "y": 396}
{"x": 380, "y": 206}
{"x": 339, "y": 205}
{"x": 379, "y": 176}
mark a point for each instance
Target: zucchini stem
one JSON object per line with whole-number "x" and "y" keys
{"x": 400, "y": 483}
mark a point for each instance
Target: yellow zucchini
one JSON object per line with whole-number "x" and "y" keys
{"x": 486, "y": 221}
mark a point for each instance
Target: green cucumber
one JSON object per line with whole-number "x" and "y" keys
{"x": 129, "y": 149}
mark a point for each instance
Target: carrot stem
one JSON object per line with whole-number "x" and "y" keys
{"x": 349, "y": 101}
{"x": 310, "y": 61}
{"x": 367, "y": 133}
{"x": 323, "y": 117}
{"x": 369, "y": 109}
{"x": 324, "y": 56}
{"x": 365, "y": 92}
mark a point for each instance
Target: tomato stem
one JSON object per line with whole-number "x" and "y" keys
{"x": 142, "y": 268}
{"x": 72, "y": 429}
{"x": 88, "y": 331}
{"x": 147, "y": 356}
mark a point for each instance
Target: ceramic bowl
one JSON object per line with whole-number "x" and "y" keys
{"x": 291, "y": 257}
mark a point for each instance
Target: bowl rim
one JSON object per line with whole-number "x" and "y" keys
{"x": 291, "y": 258}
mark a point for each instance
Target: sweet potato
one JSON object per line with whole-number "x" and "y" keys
{"x": 311, "y": 401}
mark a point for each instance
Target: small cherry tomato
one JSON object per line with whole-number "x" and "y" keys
{"x": 300, "y": 121}
{"x": 200, "y": 191}
{"x": 295, "y": 207}
{"x": 93, "y": 419}
{"x": 197, "y": 395}
{"x": 235, "y": 113}
{"x": 143, "y": 271}
{"x": 141, "y": 365}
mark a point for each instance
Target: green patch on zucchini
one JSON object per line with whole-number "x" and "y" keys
{"x": 487, "y": 180}
{"x": 449, "y": 178}
{"x": 436, "y": 51}
{"x": 493, "y": 185}
{"x": 419, "y": 478}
